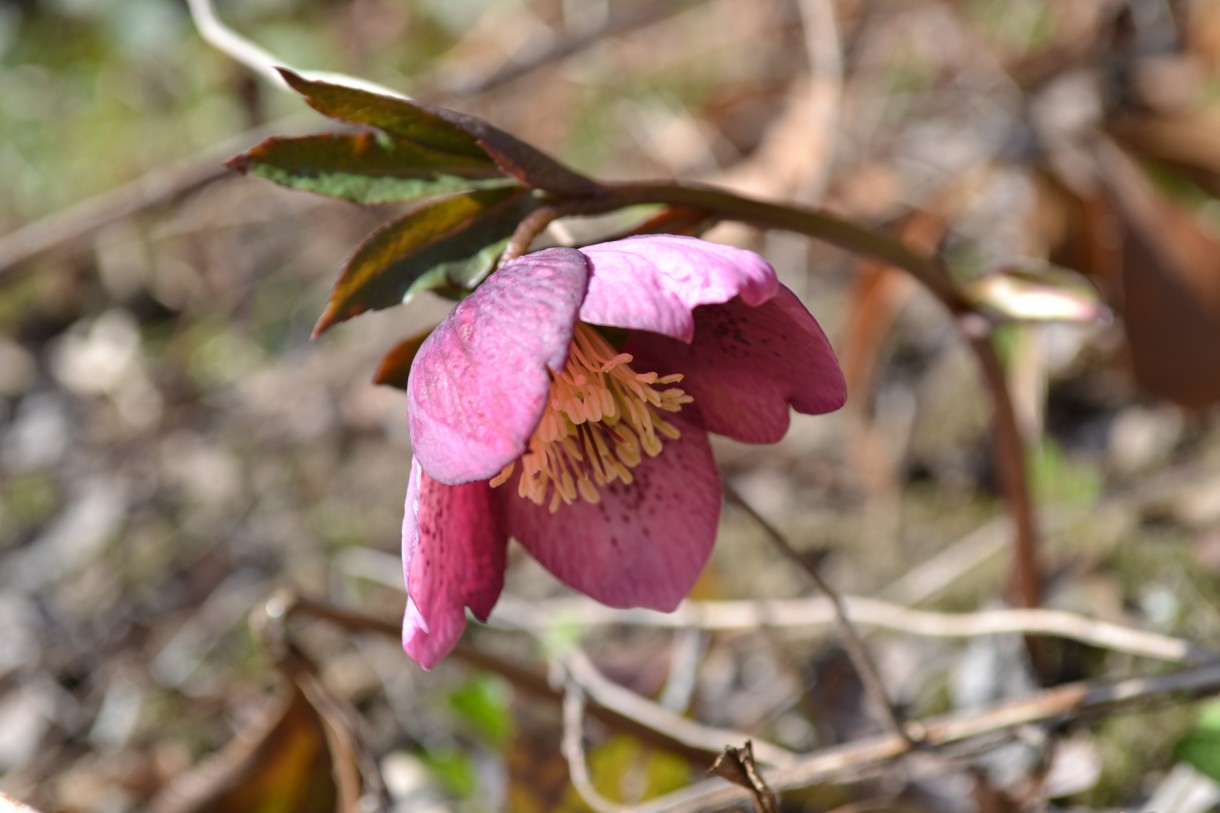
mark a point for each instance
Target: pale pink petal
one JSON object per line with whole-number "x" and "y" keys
{"x": 479, "y": 383}
{"x": 746, "y": 365}
{"x": 643, "y": 545}
{"x": 653, "y": 282}
{"x": 453, "y": 555}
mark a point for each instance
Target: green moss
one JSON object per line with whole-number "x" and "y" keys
{"x": 26, "y": 500}
{"x": 1131, "y": 746}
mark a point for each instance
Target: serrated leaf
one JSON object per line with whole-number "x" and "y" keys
{"x": 441, "y": 129}
{"x": 449, "y": 242}
{"x": 367, "y": 168}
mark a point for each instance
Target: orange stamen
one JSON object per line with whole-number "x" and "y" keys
{"x": 600, "y": 416}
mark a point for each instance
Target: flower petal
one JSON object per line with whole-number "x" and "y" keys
{"x": 747, "y": 364}
{"x": 643, "y": 545}
{"x": 453, "y": 556}
{"x": 653, "y": 282}
{"x": 479, "y": 383}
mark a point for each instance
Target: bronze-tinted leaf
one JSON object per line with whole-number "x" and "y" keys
{"x": 442, "y": 129}
{"x": 449, "y": 242}
{"x": 370, "y": 168}
{"x": 283, "y": 765}
{"x": 395, "y": 366}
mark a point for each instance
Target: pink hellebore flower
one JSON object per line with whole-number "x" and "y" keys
{"x": 566, "y": 403}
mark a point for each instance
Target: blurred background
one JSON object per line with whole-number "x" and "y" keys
{"x": 173, "y": 448}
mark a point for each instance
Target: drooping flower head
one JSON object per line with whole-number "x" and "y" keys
{"x": 566, "y": 403}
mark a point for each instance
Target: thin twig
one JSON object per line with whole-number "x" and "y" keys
{"x": 615, "y": 25}
{"x": 629, "y": 704}
{"x": 696, "y": 743}
{"x": 1068, "y": 702}
{"x": 234, "y": 45}
{"x": 1052, "y": 706}
{"x": 852, "y": 644}
{"x": 573, "y": 748}
{"x": 261, "y": 61}
{"x": 809, "y": 614}
{"x": 155, "y": 190}
{"x": 163, "y": 186}
{"x": 1010, "y": 457}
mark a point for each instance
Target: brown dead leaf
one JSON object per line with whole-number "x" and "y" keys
{"x": 1170, "y": 287}
{"x": 299, "y": 758}
{"x": 737, "y": 766}
{"x": 1189, "y": 144}
{"x": 1156, "y": 264}
{"x": 537, "y": 774}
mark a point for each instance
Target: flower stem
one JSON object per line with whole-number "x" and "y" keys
{"x": 1010, "y": 445}
{"x": 800, "y": 219}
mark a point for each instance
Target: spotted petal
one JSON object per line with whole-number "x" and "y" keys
{"x": 746, "y": 365}
{"x": 479, "y": 383}
{"x": 453, "y": 553}
{"x": 653, "y": 282}
{"x": 642, "y": 545}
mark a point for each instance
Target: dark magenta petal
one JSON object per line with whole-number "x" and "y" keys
{"x": 453, "y": 553}
{"x": 653, "y": 282}
{"x": 479, "y": 383}
{"x": 643, "y": 545}
{"x": 746, "y": 365}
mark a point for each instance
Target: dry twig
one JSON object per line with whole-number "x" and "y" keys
{"x": 1072, "y": 701}
{"x": 1055, "y": 706}
{"x": 610, "y": 695}
{"x": 865, "y": 669}
{"x": 573, "y": 748}
{"x": 638, "y": 717}
{"x": 809, "y": 614}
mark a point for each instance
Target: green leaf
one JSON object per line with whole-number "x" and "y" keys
{"x": 1056, "y": 477}
{"x": 483, "y": 702}
{"x": 1201, "y": 747}
{"x": 366, "y": 168}
{"x": 454, "y": 769}
{"x": 405, "y": 119}
{"x": 451, "y": 242}
{"x": 441, "y": 129}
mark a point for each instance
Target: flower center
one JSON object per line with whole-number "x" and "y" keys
{"x": 600, "y": 416}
